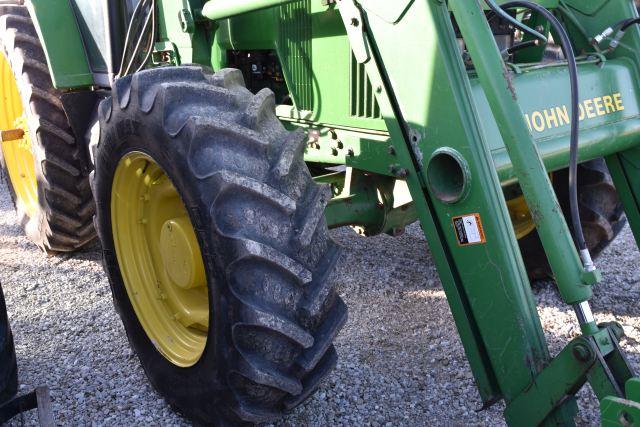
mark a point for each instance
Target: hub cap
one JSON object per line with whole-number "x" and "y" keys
{"x": 160, "y": 260}
{"x": 18, "y": 155}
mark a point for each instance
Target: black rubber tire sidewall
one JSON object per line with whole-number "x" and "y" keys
{"x": 8, "y": 367}
{"x": 168, "y": 378}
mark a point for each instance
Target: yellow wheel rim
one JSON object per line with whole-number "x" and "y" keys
{"x": 160, "y": 260}
{"x": 18, "y": 155}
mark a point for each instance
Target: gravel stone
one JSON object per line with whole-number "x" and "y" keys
{"x": 401, "y": 360}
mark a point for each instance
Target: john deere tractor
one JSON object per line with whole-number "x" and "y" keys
{"x": 222, "y": 139}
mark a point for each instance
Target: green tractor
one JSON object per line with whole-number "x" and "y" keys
{"x": 211, "y": 145}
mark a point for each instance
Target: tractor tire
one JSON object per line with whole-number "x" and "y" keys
{"x": 8, "y": 367}
{"x": 47, "y": 171}
{"x": 258, "y": 218}
{"x": 601, "y": 212}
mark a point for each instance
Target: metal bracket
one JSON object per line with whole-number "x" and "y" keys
{"x": 554, "y": 384}
{"x": 353, "y": 22}
{"x": 39, "y": 399}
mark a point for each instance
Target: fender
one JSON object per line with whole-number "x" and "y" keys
{"x": 62, "y": 42}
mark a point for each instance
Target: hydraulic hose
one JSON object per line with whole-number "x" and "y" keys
{"x": 567, "y": 48}
{"x": 134, "y": 16}
{"x": 152, "y": 39}
{"x": 629, "y": 23}
{"x": 499, "y": 10}
{"x": 623, "y": 25}
{"x": 147, "y": 22}
{"x": 519, "y": 46}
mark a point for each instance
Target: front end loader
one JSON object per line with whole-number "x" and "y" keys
{"x": 223, "y": 139}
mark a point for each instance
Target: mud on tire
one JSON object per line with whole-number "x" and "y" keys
{"x": 63, "y": 221}
{"x": 259, "y": 220}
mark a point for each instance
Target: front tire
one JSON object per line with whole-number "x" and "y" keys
{"x": 258, "y": 219}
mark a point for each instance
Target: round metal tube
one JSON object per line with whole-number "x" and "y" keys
{"x": 223, "y": 9}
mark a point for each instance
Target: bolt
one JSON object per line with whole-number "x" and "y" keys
{"x": 604, "y": 341}
{"x": 391, "y": 150}
{"x": 350, "y": 152}
{"x": 397, "y": 231}
{"x": 379, "y": 89}
{"x": 393, "y": 169}
{"x": 402, "y": 173}
{"x": 11, "y": 135}
{"x": 581, "y": 352}
{"x": 334, "y": 151}
{"x": 355, "y": 22}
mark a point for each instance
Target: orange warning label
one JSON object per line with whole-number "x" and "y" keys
{"x": 469, "y": 230}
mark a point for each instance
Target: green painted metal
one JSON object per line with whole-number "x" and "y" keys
{"x": 495, "y": 360}
{"x": 223, "y": 9}
{"x": 192, "y": 42}
{"x": 414, "y": 113}
{"x": 529, "y": 169}
{"x": 625, "y": 171}
{"x": 618, "y": 411}
{"x": 558, "y": 382}
{"x": 62, "y": 42}
{"x": 372, "y": 204}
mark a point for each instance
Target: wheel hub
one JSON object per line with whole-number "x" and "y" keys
{"x": 160, "y": 259}
{"x": 180, "y": 254}
{"x": 17, "y": 152}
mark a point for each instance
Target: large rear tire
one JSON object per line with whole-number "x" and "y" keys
{"x": 236, "y": 179}
{"x": 601, "y": 212}
{"x": 8, "y": 367}
{"x": 47, "y": 170}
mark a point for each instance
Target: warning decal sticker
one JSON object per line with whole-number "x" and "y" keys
{"x": 469, "y": 230}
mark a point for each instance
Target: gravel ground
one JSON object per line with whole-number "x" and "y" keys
{"x": 401, "y": 361}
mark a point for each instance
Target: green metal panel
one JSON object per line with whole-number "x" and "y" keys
{"x": 543, "y": 98}
{"x": 91, "y": 22}
{"x": 60, "y": 37}
{"x": 485, "y": 284}
{"x": 193, "y": 44}
{"x": 326, "y": 85}
{"x": 533, "y": 178}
